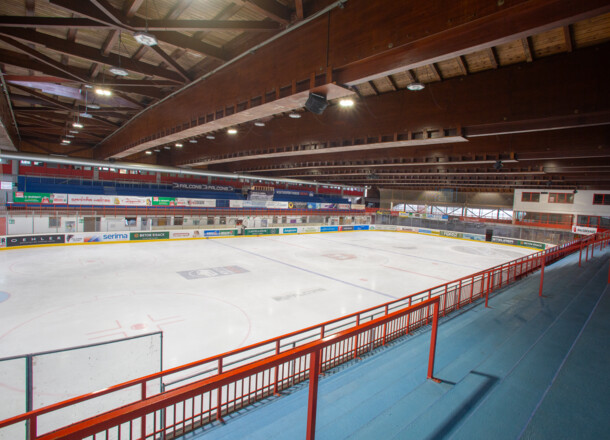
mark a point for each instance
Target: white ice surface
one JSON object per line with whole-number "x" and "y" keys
{"x": 75, "y": 295}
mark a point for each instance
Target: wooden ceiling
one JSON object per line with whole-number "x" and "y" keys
{"x": 516, "y": 91}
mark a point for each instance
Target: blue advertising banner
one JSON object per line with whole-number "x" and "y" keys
{"x": 289, "y": 231}
{"x": 211, "y": 233}
{"x": 361, "y": 227}
{"x": 329, "y": 228}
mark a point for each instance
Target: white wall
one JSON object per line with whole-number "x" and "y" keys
{"x": 583, "y": 203}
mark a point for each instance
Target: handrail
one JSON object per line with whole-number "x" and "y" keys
{"x": 489, "y": 279}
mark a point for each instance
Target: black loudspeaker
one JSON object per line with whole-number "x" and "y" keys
{"x": 316, "y": 103}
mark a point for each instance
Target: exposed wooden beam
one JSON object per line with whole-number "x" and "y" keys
{"x": 42, "y": 58}
{"x": 172, "y": 63}
{"x": 30, "y": 6}
{"x": 527, "y": 49}
{"x": 435, "y": 72}
{"x": 272, "y": 9}
{"x": 298, "y": 4}
{"x": 373, "y": 87}
{"x": 491, "y": 55}
{"x": 86, "y": 52}
{"x": 567, "y": 35}
{"x": 44, "y": 97}
{"x": 462, "y": 64}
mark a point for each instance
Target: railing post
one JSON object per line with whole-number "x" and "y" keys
{"x": 471, "y": 288}
{"x": 580, "y": 255}
{"x": 433, "y": 343}
{"x": 219, "y": 395}
{"x": 385, "y": 326}
{"x": 408, "y": 319}
{"x": 445, "y": 300}
{"x": 312, "y": 405}
{"x": 459, "y": 300}
{"x": 587, "y": 252}
{"x": 356, "y": 337}
{"x": 277, "y": 370}
{"x": 541, "y": 277}
{"x": 488, "y": 289}
{"x": 143, "y": 418}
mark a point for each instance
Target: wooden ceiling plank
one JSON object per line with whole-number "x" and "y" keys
{"x": 462, "y": 64}
{"x": 272, "y": 9}
{"x": 567, "y": 34}
{"x": 527, "y": 49}
{"x": 50, "y": 22}
{"x": 298, "y": 4}
{"x": 172, "y": 63}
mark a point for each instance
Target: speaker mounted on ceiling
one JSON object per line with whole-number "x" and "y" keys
{"x": 316, "y": 103}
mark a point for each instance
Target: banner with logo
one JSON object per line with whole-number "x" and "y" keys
{"x": 105, "y": 200}
{"x": 358, "y": 206}
{"x": 452, "y": 234}
{"x": 29, "y": 240}
{"x": 291, "y": 192}
{"x": 2, "y": 242}
{"x": 262, "y": 231}
{"x": 329, "y": 228}
{"x": 40, "y": 198}
{"x": 153, "y": 235}
{"x": 583, "y": 230}
{"x": 236, "y": 203}
{"x": 290, "y": 230}
{"x": 202, "y": 187}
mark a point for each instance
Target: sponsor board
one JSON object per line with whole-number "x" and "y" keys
{"x": 361, "y": 227}
{"x": 532, "y": 244}
{"x": 102, "y": 200}
{"x": 183, "y": 234}
{"x": 329, "y": 228}
{"x": 358, "y": 206}
{"x": 199, "y": 203}
{"x": 211, "y": 233}
{"x": 160, "y": 235}
{"x": 40, "y": 198}
{"x": 163, "y": 201}
{"x": 97, "y": 238}
{"x": 309, "y": 229}
{"x": 343, "y": 206}
{"x": 583, "y": 230}
{"x": 346, "y": 228}
{"x": 262, "y": 231}
{"x": 2, "y": 242}
{"x": 227, "y": 232}
{"x": 476, "y": 237}
{"x": 212, "y": 272}
{"x": 504, "y": 240}
{"x": 424, "y": 231}
{"x": 27, "y": 240}
{"x": 297, "y": 205}
{"x": 202, "y": 187}
{"x": 289, "y": 192}
{"x": 452, "y": 234}
{"x": 236, "y": 203}
{"x": 289, "y": 230}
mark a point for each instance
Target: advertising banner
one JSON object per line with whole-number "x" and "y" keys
{"x": 361, "y": 227}
{"x": 327, "y": 205}
{"x": 262, "y": 231}
{"x": 202, "y": 187}
{"x": 163, "y": 201}
{"x": 307, "y": 229}
{"x": 260, "y": 195}
{"x": 292, "y": 192}
{"x": 99, "y": 237}
{"x": 289, "y": 230}
{"x": 41, "y": 198}
{"x": 583, "y": 230}
{"x": 155, "y": 235}
{"x": 297, "y": 205}
{"x": 236, "y": 203}
{"x": 358, "y": 206}
{"x": 476, "y": 237}
{"x": 2, "y": 242}
{"x": 88, "y": 199}
{"x": 27, "y": 240}
{"x": 313, "y": 205}
{"x": 196, "y": 203}
{"x": 505, "y": 240}
{"x": 343, "y": 206}
{"x": 329, "y": 228}
{"x": 346, "y": 228}
{"x": 276, "y": 205}
{"x": 452, "y": 234}
{"x": 532, "y": 244}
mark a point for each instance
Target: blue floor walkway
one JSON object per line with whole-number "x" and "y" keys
{"x": 526, "y": 367}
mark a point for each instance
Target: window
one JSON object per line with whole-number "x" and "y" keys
{"x": 530, "y": 197}
{"x": 561, "y": 198}
{"x": 601, "y": 199}
{"x": 54, "y": 222}
{"x": 178, "y": 221}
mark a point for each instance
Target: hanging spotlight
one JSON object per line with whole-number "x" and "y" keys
{"x": 69, "y": 135}
{"x": 144, "y": 37}
{"x": 193, "y": 141}
{"x": 259, "y": 123}
{"x": 118, "y": 71}
{"x": 103, "y": 92}
{"x": 77, "y": 124}
{"x": 167, "y": 147}
{"x": 157, "y": 150}
{"x": 415, "y": 86}
{"x": 93, "y": 106}
{"x": 294, "y": 115}
{"x": 232, "y": 131}
{"x": 210, "y": 136}
{"x": 346, "y": 102}
{"x": 65, "y": 141}
{"x": 178, "y": 144}
{"x": 74, "y": 131}
{"x": 86, "y": 115}
{"x": 148, "y": 152}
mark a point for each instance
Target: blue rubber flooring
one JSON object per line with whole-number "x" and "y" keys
{"x": 526, "y": 367}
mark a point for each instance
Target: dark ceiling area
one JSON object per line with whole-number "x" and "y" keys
{"x": 513, "y": 93}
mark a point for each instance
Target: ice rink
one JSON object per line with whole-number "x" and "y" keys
{"x": 211, "y": 296}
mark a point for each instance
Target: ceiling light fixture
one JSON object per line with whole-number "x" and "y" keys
{"x": 74, "y": 131}
{"x": 232, "y": 131}
{"x": 346, "y": 102}
{"x": 415, "y": 86}
{"x": 210, "y": 136}
{"x": 148, "y": 152}
{"x": 93, "y": 106}
{"x": 294, "y": 115}
{"x": 103, "y": 92}
{"x": 178, "y": 144}
{"x": 145, "y": 38}
{"x": 65, "y": 141}
{"x": 77, "y": 124}
{"x": 86, "y": 115}
{"x": 118, "y": 70}
{"x": 167, "y": 147}
{"x": 69, "y": 135}
{"x": 157, "y": 150}
{"x": 259, "y": 123}
{"x": 193, "y": 141}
